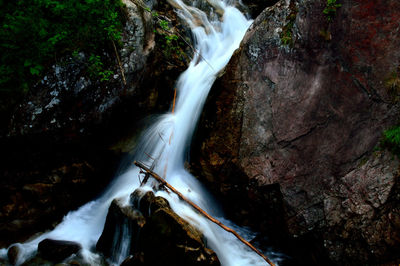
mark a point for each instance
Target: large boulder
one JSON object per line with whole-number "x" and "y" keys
{"x": 288, "y": 133}
{"x": 158, "y": 237}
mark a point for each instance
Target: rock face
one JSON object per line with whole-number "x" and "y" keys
{"x": 63, "y": 143}
{"x": 156, "y": 234}
{"x": 291, "y": 127}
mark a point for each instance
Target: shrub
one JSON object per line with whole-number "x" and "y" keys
{"x": 330, "y": 9}
{"x": 34, "y": 33}
{"x": 391, "y": 140}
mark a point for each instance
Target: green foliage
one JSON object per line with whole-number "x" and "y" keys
{"x": 391, "y": 140}
{"x": 164, "y": 24}
{"x": 96, "y": 68}
{"x": 330, "y": 9}
{"x": 286, "y": 34}
{"x": 34, "y": 33}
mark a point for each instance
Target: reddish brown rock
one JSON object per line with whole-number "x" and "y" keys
{"x": 302, "y": 104}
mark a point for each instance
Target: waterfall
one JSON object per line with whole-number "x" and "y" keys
{"x": 167, "y": 141}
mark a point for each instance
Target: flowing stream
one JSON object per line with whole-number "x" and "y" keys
{"x": 216, "y": 36}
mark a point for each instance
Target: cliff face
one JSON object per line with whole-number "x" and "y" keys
{"x": 63, "y": 141}
{"x": 289, "y": 131}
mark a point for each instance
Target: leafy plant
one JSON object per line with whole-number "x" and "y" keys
{"x": 96, "y": 68}
{"x": 391, "y": 140}
{"x": 34, "y": 33}
{"x": 169, "y": 41}
{"x": 331, "y": 8}
{"x": 286, "y": 34}
{"x": 164, "y": 25}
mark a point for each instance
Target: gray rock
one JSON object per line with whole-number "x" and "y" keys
{"x": 302, "y": 105}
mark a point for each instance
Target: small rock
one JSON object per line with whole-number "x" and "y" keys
{"x": 13, "y": 253}
{"x": 58, "y": 250}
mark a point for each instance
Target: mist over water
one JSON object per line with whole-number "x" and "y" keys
{"x": 164, "y": 146}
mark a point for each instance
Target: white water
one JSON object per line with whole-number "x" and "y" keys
{"x": 167, "y": 141}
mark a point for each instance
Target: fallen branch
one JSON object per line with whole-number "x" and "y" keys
{"x": 201, "y": 211}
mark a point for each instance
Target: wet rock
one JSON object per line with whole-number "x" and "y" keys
{"x": 37, "y": 260}
{"x": 12, "y": 254}
{"x": 57, "y": 250}
{"x": 41, "y": 190}
{"x": 122, "y": 222}
{"x": 174, "y": 241}
{"x": 159, "y": 237}
{"x": 131, "y": 260}
{"x": 146, "y": 202}
{"x": 302, "y": 105}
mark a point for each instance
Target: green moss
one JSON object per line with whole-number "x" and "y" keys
{"x": 287, "y": 30}
{"x": 391, "y": 140}
{"x": 331, "y": 8}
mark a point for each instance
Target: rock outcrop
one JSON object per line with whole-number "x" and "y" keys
{"x": 148, "y": 232}
{"x": 67, "y": 137}
{"x": 288, "y": 134}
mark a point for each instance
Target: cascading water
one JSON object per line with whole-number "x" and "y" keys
{"x": 166, "y": 142}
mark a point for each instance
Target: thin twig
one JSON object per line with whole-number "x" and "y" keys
{"x": 201, "y": 211}
{"x": 159, "y": 134}
{"x": 173, "y": 103}
{"x": 119, "y": 63}
{"x": 148, "y": 155}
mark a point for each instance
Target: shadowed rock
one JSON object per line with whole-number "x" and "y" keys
{"x": 57, "y": 250}
{"x": 160, "y": 237}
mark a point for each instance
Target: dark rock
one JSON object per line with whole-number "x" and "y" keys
{"x": 142, "y": 200}
{"x": 136, "y": 260}
{"x": 12, "y": 254}
{"x": 37, "y": 260}
{"x": 162, "y": 238}
{"x": 257, "y": 6}
{"x": 146, "y": 202}
{"x": 57, "y": 250}
{"x": 39, "y": 190}
{"x": 302, "y": 104}
{"x": 174, "y": 241}
{"x": 122, "y": 222}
